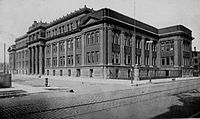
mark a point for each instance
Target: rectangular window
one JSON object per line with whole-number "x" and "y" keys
{"x": 61, "y": 72}
{"x": 172, "y": 46}
{"x": 162, "y": 61}
{"x": 97, "y": 56}
{"x": 88, "y": 39}
{"x": 92, "y": 39}
{"x": 69, "y": 72}
{"x": 162, "y": 47}
{"x": 88, "y": 57}
{"x": 167, "y": 61}
{"x": 172, "y": 60}
{"x": 78, "y": 71}
{"x": 78, "y": 42}
{"x": 97, "y": 37}
{"x": 78, "y": 59}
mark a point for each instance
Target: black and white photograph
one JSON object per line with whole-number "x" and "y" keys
{"x": 99, "y": 59}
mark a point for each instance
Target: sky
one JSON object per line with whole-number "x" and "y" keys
{"x": 17, "y": 15}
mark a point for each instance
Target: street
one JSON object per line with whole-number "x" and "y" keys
{"x": 97, "y": 100}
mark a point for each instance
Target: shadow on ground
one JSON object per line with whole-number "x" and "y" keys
{"x": 190, "y": 105}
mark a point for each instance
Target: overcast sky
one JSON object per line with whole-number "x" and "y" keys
{"x": 17, "y": 15}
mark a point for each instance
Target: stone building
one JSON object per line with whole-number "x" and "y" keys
{"x": 196, "y": 62}
{"x": 101, "y": 44}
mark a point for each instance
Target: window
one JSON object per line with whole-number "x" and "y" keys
{"x": 167, "y": 60}
{"x": 54, "y": 47}
{"x": 71, "y": 25}
{"x": 48, "y": 62}
{"x": 92, "y": 39}
{"x": 172, "y": 60}
{"x": 91, "y": 72}
{"x": 117, "y": 73}
{"x": 97, "y": 37}
{"x": 167, "y": 47}
{"x": 97, "y": 56}
{"x": 61, "y": 48}
{"x": 162, "y": 61}
{"x": 54, "y": 72}
{"x": 92, "y": 57}
{"x": 69, "y": 72}
{"x": 70, "y": 59}
{"x": 61, "y": 72}
{"x": 116, "y": 38}
{"x": 70, "y": 43}
{"x": 56, "y": 31}
{"x": 162, "y": 47}
{"x": 78, "y": 59}
{"x": 88, "y": 57}
{"x": 88, "y": 39}
{"x": 78, "y": 72}
{"x": 68, "y": 29}
{"x": 54, "y": 61}
{"x": 77, "y": 24}
{"x": 138, "y": 41}
{"x": 62, "y": 61}
{"x": 78, "y": 42}
{"x": 172, "y": 46}
{"x": 47, "y": 72}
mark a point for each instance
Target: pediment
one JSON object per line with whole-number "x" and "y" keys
{"x": 91, "y": 20}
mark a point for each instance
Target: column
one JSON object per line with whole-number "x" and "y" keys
{"x": 51, "y": 55}
{"x": 109, "y": 50}
{"x": 143, "y": 51}
{"x": 176, "y": 52}
{"x": 82, "y": 49}
{"x": 74, "y": 52}
{"x": 41, "y": 56}
{"x": 66, "y": 53}
{"x": 150, "y": 54}
{"x": 102, "y": 45}
{"x": 158, "y": 58}
{"x": 29, "y": 61}
{"x": 32, "y": 58}
{"x": 36, "y": 60}
{"x": 181, "y": 50}
{"x": 122, "y": 37}
{"x": 133, "y": 47}
{"x": 58, "y": 54}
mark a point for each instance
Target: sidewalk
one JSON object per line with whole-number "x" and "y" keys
{"x": 110, "y": 81}
{"x": 80, "y": 85}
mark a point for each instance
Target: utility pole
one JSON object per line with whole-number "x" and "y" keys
{"x": 4, "y": 68}
{"x": 134, "y": 35}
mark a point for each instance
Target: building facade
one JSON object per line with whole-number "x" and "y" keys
{"x": 101, "y": 44}
{"x": 196, "y": 62}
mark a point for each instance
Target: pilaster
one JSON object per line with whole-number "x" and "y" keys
{"x": 133, "y": 48}
{"x": 109, "y": 50}
{"x": 82, "y": 49}
{"x": 150, "y": 54}
{"x": 74, "y": 52}
{"x": 36, "y": 60}
{"x": 176, "y": 54}
{"x": 41, "y": 56}
{"x": 33, "y": 64}
{"x": 66, "y": 53}
{"x": 143, "y": 51}
{"x": 122, "y": 37}
{"x": 102, "y": 45}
